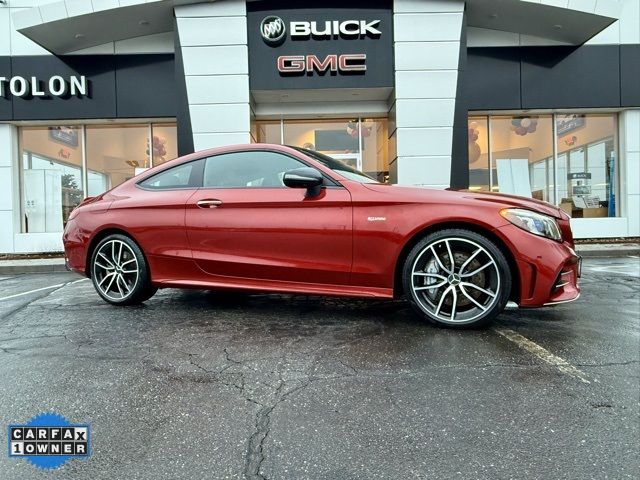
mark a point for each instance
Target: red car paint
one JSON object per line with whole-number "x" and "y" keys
{"x": 349, "y": 240}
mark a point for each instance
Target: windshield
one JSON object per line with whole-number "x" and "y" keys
{"x": 337, "y": 166}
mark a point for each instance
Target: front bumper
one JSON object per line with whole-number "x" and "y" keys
{"x": 565, "y": 289}
{"x": 548, "y": 270}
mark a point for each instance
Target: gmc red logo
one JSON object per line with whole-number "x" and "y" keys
{"x": 346, "y": 63}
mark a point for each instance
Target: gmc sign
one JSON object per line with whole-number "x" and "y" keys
{"x": 332, "y": 63}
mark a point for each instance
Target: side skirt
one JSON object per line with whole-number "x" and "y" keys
{"x": 276, "y": 286}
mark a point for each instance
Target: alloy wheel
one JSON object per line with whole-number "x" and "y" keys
{"x": 455, "y": 280}
{"x": 115, "y": 270}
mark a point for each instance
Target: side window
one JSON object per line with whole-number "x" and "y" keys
{"x": 182, "y": 176}
{"x": 248, "y": 169}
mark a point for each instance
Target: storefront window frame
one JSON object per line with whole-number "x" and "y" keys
{"x": 282, "y": 132}
{"x": 82, "y": 129}
{"x": 360, "y": 119}
{"x": 556, "y": 190}
{"x": 474, "y": 185}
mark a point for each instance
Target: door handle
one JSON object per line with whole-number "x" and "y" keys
{"x": 209, "y": 203}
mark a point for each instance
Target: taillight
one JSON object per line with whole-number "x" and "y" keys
{"x": 74, "y": 213}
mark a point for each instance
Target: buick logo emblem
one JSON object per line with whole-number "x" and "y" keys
{"x": 273, "y": 30}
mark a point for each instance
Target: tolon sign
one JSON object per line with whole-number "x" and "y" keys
{"x": 55, "y": 86}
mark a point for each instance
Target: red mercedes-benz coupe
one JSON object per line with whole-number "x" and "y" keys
{"x": 282, "y": 219}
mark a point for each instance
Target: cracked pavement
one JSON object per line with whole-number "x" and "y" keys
{"x": 199, "y": 384}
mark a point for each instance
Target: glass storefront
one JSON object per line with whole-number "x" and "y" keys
{"x": 359, "y": 143}
{"x": 518, "y": 154}
{"x": 113, "y": 154}
{"x": 52, "y": 179}
{"x": 565, "y": 159}
{"x": 586, "y": 164}
{"x": 61, "y": 165}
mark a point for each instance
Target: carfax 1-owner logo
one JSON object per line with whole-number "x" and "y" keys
{"x": 49, "y": 441}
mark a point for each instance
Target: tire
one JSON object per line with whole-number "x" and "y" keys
{"x": 471, "y": 294}
{"x": 119, "y": 271}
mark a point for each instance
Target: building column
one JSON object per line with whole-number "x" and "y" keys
{"x": 629, "y": 164}
{"x": 213, "y": 53}
{"x": 9, "y": 201}
{"x": 427, "y": 36}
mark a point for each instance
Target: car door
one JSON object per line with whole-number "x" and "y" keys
{"x": 245, "y": 223}
{"x": 153, "y": 212}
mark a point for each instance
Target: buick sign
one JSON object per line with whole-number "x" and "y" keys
{"x": 273, "y": 30}
{"x": 335, "y": 28}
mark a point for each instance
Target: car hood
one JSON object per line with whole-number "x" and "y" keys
{"x": 500, "y": 200}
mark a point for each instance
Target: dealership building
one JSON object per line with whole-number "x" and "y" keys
{"x": 539, "y": 98}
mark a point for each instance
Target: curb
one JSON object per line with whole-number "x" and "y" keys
{"x": 18, "y": 267}
{"x": 608, "y": 253}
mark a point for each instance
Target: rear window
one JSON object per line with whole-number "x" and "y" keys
{"x": 187, "y": 175}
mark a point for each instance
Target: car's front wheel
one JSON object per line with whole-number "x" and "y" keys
{"x": 457, "y": 278}
{"x": 119, "y": 271}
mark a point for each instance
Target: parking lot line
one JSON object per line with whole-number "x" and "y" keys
{"x": 51, "y": 287}
{"x": 543, "y": 354}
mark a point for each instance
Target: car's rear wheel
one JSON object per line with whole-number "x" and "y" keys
{"x": 119, "y": 271}
{"x": 457, "y": 278}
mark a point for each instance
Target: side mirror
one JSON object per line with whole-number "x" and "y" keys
{"x": 305, "y": 177}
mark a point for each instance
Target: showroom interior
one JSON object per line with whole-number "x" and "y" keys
{"x": 432, "y": 93}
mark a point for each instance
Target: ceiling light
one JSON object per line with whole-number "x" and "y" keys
{"x": 557, "y": 26}
{"x": 78, "y": 36}
{"x": 143, "y": 22}
{"x": 493, "y": 16}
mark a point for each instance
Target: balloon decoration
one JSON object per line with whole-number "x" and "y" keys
{"x": 474, "y": 148}
{"x": 159, "y": 148}
{"x": 473, "y": 132}
{"x": 523, "y": 125}
{"x": 352, "y": 129}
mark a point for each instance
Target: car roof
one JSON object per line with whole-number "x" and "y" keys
{"x": 231, "y": 149}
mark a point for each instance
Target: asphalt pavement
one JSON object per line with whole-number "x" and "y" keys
{"x": 201, "y": 384}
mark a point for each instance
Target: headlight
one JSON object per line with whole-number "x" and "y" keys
{"x": 536, "y": 223}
